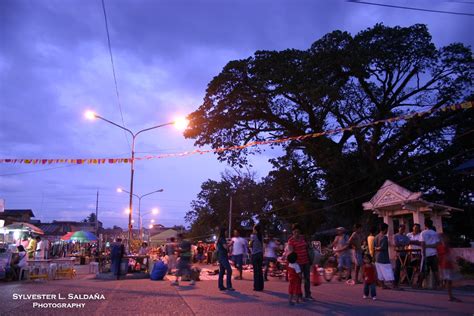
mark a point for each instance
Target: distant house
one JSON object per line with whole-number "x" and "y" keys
{"x": 161, "y": 238}
{"x": 11, "y": 216}
{"x": 73, "y": 226}
{"x": 158, "y": 229}
{"x": 111, "y": 234}
{"x": 53, "y": 231}
{"x": 57, "y": 229}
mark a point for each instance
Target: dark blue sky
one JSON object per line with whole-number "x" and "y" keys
{"x": 54, "y": 64}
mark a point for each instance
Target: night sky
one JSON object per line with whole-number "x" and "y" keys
{"x": 55, "y": 65}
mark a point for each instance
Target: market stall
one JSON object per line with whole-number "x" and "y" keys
{"x": 82, "y": 244}
{"x": 13, "y": 235}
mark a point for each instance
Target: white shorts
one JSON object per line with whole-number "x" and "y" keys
{"x": 384, "y": 271}
{"x": 446, "y": 274}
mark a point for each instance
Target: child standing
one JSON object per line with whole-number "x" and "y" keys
{"x": 446, "y": 266}
{"x": 294, "y": 276}
{"x": 369, "y": 276}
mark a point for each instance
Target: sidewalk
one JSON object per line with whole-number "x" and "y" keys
{"x": 145, "y": 297}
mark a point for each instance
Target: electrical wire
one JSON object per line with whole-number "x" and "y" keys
{"x": 34, "y": 171}
{"x": 410, "y": 8}
{"x": 364, "y": 194}
{"x": 113, "y": 71}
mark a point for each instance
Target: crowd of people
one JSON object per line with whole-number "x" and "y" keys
{"x": 179, "y": 254}
{"x": 28, "y": 247}
{"x": 418, "y": 254}
{"x": 364, "y": 259}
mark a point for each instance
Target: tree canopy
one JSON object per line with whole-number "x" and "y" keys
{"x": 342, "y": 81}
{"x": 90, "y": 219}
{"x": 211, "y": 209}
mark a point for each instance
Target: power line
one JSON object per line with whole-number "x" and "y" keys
{"x": 465, "y": 2}
{"x": 34, "y": 171}
{"x": 360, "y": 179}
{"x": 113, "y": 71}
{"x": 351, "y": 199}
{"x": 364, "y": 194}
{"x": 410, "y": 8}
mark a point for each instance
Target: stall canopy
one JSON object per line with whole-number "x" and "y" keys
{"x": 26, "y": 227}
{"x": 80, "y": 236}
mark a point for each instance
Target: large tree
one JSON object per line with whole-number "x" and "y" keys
{"x": 340, "y": 81}
{"x": 211, "y": 208}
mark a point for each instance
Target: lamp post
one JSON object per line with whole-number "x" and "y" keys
{"x": 139, "y": 206}
{"x": 179, "y": 123}
{"x": 152, "y": 221}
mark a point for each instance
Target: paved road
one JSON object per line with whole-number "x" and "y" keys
{"x": 145, "y": 297}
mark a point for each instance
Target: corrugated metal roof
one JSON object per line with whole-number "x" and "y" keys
{"x": 54, "y": 229}
{"x": 18, "y": 212}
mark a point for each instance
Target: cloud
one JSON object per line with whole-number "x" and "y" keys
{"x": 55, "y": 63}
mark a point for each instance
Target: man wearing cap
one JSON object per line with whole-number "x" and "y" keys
{"x": 341, "y": 248}
{"x": 401, "y": 242}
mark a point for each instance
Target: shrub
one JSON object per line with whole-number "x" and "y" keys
{"x": 465, "y": 267}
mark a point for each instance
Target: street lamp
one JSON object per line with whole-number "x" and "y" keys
{"x": 153, "y": 211}
{"x": 139, "y": 206}
{"x": 180, "y": 123}
{"x": 152, "y": 221}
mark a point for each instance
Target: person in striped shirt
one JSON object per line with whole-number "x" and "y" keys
{"x": 297, "y": 244}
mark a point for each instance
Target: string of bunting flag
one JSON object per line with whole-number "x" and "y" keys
{"x": 95, "y": 161}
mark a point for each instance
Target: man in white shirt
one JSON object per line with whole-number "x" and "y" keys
{"x": 239, "y": 249}
{"x": 430, "y": 241}
{"x": 40, "y": 248}
{"x": 415, "y": 254}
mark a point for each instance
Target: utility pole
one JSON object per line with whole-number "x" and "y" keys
{"x": 230, "y": 217}
{"x": 96, "y": 214}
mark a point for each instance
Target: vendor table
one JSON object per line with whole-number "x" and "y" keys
{"x": 39, "y": 269}
{"x": 407, "y": 259}
{"x": 64, "y": 267}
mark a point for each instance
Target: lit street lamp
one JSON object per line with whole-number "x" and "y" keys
{"x": 179, "y": 123}
{"x": 152, "y": 221}
{"x": 139, "y": 206}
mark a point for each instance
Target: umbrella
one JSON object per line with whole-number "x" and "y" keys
{"x": 80, "y": 236}
{"x": 67, "y": 236}
{"x": 25, "y": 227}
